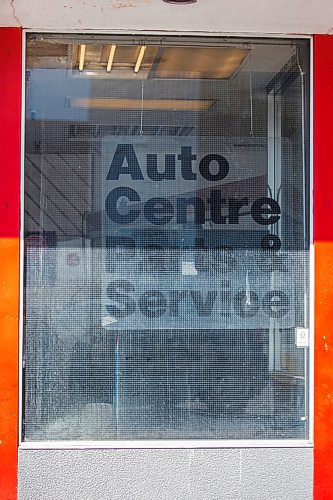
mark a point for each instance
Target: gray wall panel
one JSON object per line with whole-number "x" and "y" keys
{"x": 228, "y": 474}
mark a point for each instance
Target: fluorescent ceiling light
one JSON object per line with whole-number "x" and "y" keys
{"x": 152, "y": 61}
{"x": 111, "y": 57}
{"x": 160, "y": 62}
{"x": 139, "y": 104}
{"x": 199, "y": 62}
{"x": 140, "y": 57}
{"x": 82, "y": 53}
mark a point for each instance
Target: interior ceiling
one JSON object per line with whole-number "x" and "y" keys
{"x": 54, "y": 120}
{"x": 159, "y": 60}
{"x": 165, "y": 72}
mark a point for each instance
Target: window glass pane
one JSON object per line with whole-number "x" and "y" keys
{"x": 166, "y": 239}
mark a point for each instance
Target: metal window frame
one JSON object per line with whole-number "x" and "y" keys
{"x": 169, "y": 443}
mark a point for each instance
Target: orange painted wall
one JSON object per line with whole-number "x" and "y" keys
{"x": 10, "y": 125}
{"x": 323, "y": 236}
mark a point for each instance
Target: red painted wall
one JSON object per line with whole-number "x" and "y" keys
{"x": 323, "y": 236}
{"x": 10, "y": 132}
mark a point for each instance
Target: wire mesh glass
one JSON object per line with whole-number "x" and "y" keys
{"x": 166, "y": 270}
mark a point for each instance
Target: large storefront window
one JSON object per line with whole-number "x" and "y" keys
{"x": 166, "y": 238}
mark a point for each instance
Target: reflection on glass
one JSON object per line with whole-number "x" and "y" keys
{"x": 166, "y": 239}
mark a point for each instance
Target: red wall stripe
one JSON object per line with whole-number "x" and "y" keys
{"x": 10, "y": 132}
{"x": 323, "y": 235}
{"x": 323, "y": 134}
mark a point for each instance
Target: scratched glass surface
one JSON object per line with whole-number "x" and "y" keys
{"x": 166, "y": 268}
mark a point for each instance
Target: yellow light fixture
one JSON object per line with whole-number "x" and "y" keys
{"x": 139, "y": 59}
{"x": 82, "y": 54}
{"x": 139, "y": 104}
{"x": 200, "y": 62}
{"x": 111, "y": 57}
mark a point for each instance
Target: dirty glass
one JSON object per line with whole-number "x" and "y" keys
{"x": 166, "y": 230}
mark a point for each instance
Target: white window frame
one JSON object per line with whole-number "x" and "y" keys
{"x": 170, "y": 443}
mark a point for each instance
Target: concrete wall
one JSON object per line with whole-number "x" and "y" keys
{"x": 219, "y": 16}
{"x": 211, "y": 474}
